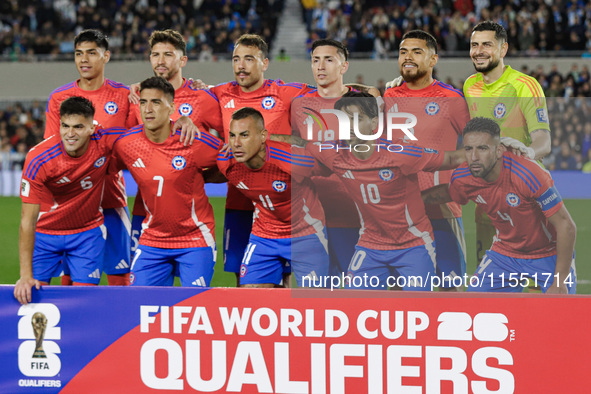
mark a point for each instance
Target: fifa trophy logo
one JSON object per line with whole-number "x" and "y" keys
{"x": 39, "y": 322}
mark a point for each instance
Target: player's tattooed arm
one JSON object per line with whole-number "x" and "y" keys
{"x": 289, "y": 139}
{"x": 437, "y": 194}
{"x": 541, "y": 143}
{"x": 452, "y": 159}
{"x": 566, "y": 232}
{"x": 26, "y": 244}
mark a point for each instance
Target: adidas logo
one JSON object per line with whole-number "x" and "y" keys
{"x": 480, "y": 200}
{"x": 139, "y": 163}
{"x": 348, "y": 174}
{"x": 96, "y": 274}
{"x": 230, "y": 104}
{"x": 122, "y": 265}
{"x": 199, "y": 282}
{"x": 241, "y": 185}
{"x": 63, "y": 180}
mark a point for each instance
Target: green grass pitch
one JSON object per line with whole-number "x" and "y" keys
{"x": 10, "y": 217}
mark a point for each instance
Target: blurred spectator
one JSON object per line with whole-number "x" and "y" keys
{"x": 47, "y": 27}
{"x": 565, "y": 160}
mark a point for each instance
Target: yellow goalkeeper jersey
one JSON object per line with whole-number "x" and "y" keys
{"x": 515, "y": 101}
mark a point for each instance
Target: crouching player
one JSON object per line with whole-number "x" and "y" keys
{"x": 535, "y": 234}
{"x": 288, "y": 227}
{"x": 178, "y": 231}
{"x": 61, "y": 190}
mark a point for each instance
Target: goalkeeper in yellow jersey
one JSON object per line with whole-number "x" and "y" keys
{"x": 511, "y": 98}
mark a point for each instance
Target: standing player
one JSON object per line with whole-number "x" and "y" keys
{"x": 512, "y": 99}
{"x": 110, "y": 99}
{"x": 61, "y": 189}
{"x": 288, "y": 225}
{"x": 273, "y": 99}
{"x": 396, "y": 236}
{"x": 168, "y": 56}
{"x": 441, "y": 115}
{"x": 535, "y": 234}
{"x": 179, "y": 227}
{"x": 329, "y": 65}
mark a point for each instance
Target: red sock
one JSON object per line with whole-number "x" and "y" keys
{"x": 83, "y": 284}
{"x": 118, "y": 280}
{"x": 66, "y": 280}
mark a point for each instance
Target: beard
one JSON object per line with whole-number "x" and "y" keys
{"x": 413, "y": 77}
{"x": 484, "y": 69}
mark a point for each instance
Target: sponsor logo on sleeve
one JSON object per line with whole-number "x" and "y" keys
{"x": 25, "y": 188}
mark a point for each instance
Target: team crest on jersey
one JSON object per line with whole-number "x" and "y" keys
{"x": 432, "y": 108}
{"x": 268, "y": 102}
{"x": 185, "y": 109}
{"x": 513, "y": 199}
{"x": 243, "y": 270}
{"x": 111, "y": 108}
{"x": 179, "y": 162}
{"x": 279, "y": 186}
{"x": 500, "y": 110}
{"x": 429, "y": 150}
{"x": 100, "y": 162}
{"x": 386, "y": 174}
{"x": 131, "y": 278}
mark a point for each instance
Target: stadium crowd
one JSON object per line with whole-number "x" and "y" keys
{"x": 376, "y": 27}
{"x": 365, "y": 26}
{"x": 569, "y": 106}
{"x": 209, "y": 26}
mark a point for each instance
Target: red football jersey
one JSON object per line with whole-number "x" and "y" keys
{"x": 273, "y": 100}
{"x": 332, "y": 193}
{"x": 111, "y": 106}
{"x": 519, "y": 204}
{"x": 170, "y": 177}
{"x": 283, "y": 208}
{"x": 386, "y": 192}
{"x": 68, "y": 189}
{"x": 442, "y": 113}
{"x": 201, "y": 106}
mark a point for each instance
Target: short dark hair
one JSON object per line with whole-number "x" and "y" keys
{"x": 483, "y": 125}
{"x": 160, "y": 84}
{"x": 422, "y": 35}
{"x": 342, "y": 49}
{"x": 365, "y": 101}
{"x": 92, "y": 35}
{"x": 168, "y": 36}
{"x": 500, "y": 32}
{"x": 77, "y": 105}
{"x": 253, "y": 40}
{"x": 246, "y": 112}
